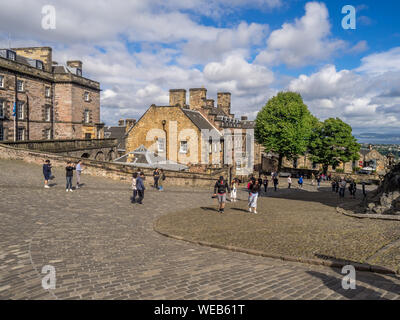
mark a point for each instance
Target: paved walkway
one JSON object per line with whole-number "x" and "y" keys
{"x": 102, "y": 247}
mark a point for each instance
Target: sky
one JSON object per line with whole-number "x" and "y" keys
{"x": 139, "y": 49}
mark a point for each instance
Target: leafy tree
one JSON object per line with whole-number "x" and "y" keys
{"x": 332, "y": 142}
{"x": 284, "y": 126}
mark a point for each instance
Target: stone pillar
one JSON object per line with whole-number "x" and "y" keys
{"x": 198, "y": 97}
{"x": 224, "y": 102}
{"x": 177, "y": 97}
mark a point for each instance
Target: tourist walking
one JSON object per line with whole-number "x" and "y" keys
{"x": 333, "y": 185}
{"x": 220, "y": 189}
{"x": 140, "y": 187}
{"x": 319, "y": 178}
{"x": 342, "y": 187}
{"x": 69, "y": 173}
{"x": 134, "y": 188}
{"x": 265, "y": 183}
{"x": 47, "y": 173}
{"x": 78, "y": 173}
{"x": 156, "y": 176}
{"x": 312, "y": 179}
{"x": 353, "y": 188}
{"x": 253, "y": 196}
{"x": 363, "y": 190}
{"x": 300, "y": 182}
{"x": 276, "y": 182}
{"x": 289, "y": 182}
{"x": 234, "y": 187}
{"x": 161, "y": 180}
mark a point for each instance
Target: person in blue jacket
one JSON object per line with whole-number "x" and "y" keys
{"x": 140, "y": 187}
{"x": 300, "y": 182}
{"x": 47, "y": 173}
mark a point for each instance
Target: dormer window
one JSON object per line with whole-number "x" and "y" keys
{"x": 39, "y": 64}
{"x": 79, "y": 72}
{"x": 11, "y": 55}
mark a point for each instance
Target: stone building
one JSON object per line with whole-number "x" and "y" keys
{"x": 177, "y": 131}
{"x": 51, "y": 100}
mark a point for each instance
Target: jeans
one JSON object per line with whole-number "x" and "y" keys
{"x": 69, "y": 183}
{"x": 156, "y": 182}
{"x": 341, "y": 192}
{"x": 134, "y": 196}
{"x": 141, "y": 196}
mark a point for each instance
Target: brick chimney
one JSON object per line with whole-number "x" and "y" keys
{"x": 224, "y": 102}
{"x": 210, "y": 103}
{"x": 198, "y": 97}
{"x": 130, "y": 123}
{"x": 121, "y": 123}
{"x": 177, "y": 97}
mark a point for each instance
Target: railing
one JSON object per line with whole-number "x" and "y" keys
{"x": 57, "y": 146}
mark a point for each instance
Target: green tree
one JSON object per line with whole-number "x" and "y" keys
{"x": 332, "y": 142}
{"x": 284, "y": 125}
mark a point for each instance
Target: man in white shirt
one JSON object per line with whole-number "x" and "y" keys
{"x": 78, "y": 173}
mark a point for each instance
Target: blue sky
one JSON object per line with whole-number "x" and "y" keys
{"x": 138, "y": 50}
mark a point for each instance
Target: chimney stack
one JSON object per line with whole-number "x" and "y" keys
{"x": 121, "y": 123}
{"x": 224, "y": 102}
{"x": 244, "y": 118}
{"x": 177, "y": 97}
{"x": 210, "y": 103}
{"x": 198, "y": 97}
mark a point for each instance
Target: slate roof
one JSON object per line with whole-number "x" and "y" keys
{"x": 198, "y": 119}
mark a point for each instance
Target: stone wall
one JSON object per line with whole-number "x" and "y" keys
{"x": 111, "y": 170}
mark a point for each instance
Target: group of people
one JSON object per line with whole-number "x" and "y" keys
{"x": 69, "y": 174}
{"x": 339, "y": 186}
{"x": 159, "y": 177}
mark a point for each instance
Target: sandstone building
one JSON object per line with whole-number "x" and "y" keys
{"x": 176, "y": 131}
{"x": 50, "y": 100}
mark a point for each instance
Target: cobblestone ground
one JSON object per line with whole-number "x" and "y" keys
{"x": 103, "y": 247}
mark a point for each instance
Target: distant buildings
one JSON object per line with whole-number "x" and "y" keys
{"x": 52, "y": 101}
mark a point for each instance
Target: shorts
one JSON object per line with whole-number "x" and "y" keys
{"x": 47, "y": 176}
{"x": 222, "y": 198}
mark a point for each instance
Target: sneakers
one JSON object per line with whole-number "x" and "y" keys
{"x": 47, "y": 187}
{"x": 66, "y": 190}
{"x": 249, "y": 209}
{"x": 70, "y": 190}
{"x": 255, "y": 211}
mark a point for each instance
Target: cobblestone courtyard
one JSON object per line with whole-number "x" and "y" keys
{"x": 103, "y": 247}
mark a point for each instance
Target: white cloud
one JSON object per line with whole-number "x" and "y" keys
{"x": 378, "y": 63}
{"x": 302, "y": 42}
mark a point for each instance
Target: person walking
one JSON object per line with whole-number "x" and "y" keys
{"x": 312, "y": 179}
{"x": 319, "y": 178}
{"x": 300, "y": 182}
{"x": 140, "y": 187}
{"x": 161, "y": 180}
{"x": 156, "y": 176}
{"x": 134, "y": 188}
{"x": 220, "y": 189}
{"x": 353, "y": 188}
{"x": 234, "y": 187}
{"x": 69, "y": 173}
{"x": 265, "y": 183}
{"x": 47, "y": 173}
{"x": 253, "y": 196}
{"x": 342, "y": 187}
{"x": 333, "y": 185}
{"x": 276, "y": 182}
{"x": 289, "y": 182}
{"x": 363, "y": 190}
{"x": 78, "y": 173}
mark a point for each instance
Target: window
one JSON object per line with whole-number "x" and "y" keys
{"x": 20, "y": 85}
{"x": 88, "y": 136}
{"x": 11, "y": 55}
{"x": 47, "y": 92}
{"x": 161, "y": 145}
{"x": 20, "y": 110}
{"x": 87, "y": 96}
{"x": 184, "y": 147}
{"x": 2, "y": 109}
{"x": 48, "y": 113}
{"x": 48, "y": 134}
{"x": 39, "y": 64}
{"x": 1, "y": 81}
{"x": 87, "y": 116}
{"x": 20, "y": 134}
{"x": 2, "y": 134}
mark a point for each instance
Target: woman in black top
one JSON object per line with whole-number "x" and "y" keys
{"x": 69, "y": 173}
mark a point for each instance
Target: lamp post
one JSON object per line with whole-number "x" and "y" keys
{"x": 164, "y": 122}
